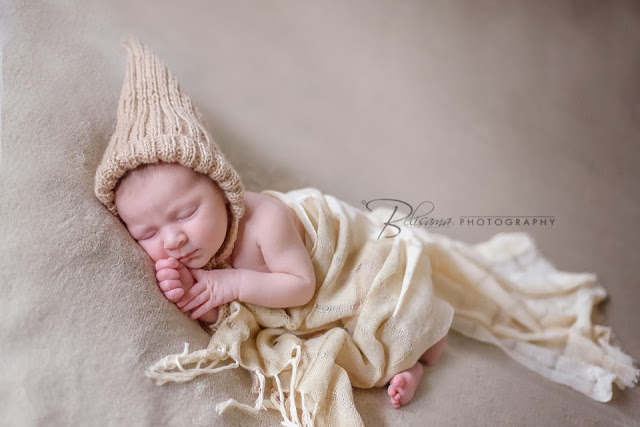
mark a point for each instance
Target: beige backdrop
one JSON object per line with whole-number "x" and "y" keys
{"x": 482, "y": 107}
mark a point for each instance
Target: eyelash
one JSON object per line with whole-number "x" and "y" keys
{"x": 147, "y": 237}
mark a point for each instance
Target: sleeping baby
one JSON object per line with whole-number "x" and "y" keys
{"x": 299, "y": 289}
{"x": 179, "y": 217}
{"x": 214, "y": 244}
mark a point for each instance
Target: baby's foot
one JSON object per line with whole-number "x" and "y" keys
{"x": 403, "y": 385}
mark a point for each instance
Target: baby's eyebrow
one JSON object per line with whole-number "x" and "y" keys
{"x": 180, "y": 207}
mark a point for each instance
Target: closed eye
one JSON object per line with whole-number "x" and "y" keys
{"x": 147, "y": 236}
{"x": 188, "y": 214}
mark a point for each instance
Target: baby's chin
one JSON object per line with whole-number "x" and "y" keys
{"x": 196, "y": 262}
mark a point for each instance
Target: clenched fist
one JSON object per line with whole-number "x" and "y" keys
{"x": 174, "y": 279}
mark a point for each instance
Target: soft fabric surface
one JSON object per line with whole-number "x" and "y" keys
{"x": 382, "y": 301}
{"x": 505, "y": 109}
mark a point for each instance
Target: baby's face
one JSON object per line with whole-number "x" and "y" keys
{"x": 172, "y": 213}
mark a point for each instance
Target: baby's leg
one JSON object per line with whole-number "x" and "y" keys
{"x": 404, "y": 384}
{"x": 431, "y": 356}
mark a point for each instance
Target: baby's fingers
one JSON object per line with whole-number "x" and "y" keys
{"x": 196, "y": 302}
{"x": 167, "y": 263}
{"x": 174, "y": 294}
{"x": 190, "y": 295}
{"x": 167, "y": 285}
{"x": 167, "y": 273}
{"x": 201, "y": 310}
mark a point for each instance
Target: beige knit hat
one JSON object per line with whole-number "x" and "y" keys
{"x": 158, "y": 122}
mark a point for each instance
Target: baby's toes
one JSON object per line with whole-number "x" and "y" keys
{"x": 398, "y": 381}
{"x": 395, "y": 402}
{"x": 392, "y": 391}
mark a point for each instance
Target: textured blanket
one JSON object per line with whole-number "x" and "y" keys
{"x": 381, "y": 302}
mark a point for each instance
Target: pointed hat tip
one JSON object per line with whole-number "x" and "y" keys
{"x": 131, "y": 43}
{"x": 128, "y": 39}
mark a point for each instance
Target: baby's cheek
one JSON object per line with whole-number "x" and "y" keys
{"x": 197, "y": 232}
{"x": 153, "y": 250}
{"x": 209, "y": 231}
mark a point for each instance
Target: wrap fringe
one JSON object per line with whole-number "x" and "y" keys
{"x": 174, "y": 368}
{"x": 171, "y": 368}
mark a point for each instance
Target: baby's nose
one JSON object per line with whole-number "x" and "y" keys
{"x": 175, "y": 241}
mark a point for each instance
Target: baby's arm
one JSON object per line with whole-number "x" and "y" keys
{"x": 290, "y": 281}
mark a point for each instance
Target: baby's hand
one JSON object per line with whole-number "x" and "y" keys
{"x": 174, "y": 278}
{"x": 209, "y": 292}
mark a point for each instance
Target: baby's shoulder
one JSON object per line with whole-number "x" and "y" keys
{"x": 262, "y": 209}
{"x": 269, "y": 213}
{"x": 260, "y": 204}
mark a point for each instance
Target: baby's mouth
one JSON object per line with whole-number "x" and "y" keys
{"x": 187, "y": 256}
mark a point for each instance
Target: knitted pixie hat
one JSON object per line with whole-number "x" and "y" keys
{"x": 158, "y": 122}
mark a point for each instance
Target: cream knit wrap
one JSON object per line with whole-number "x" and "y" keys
{"x": 380, "y": 303}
